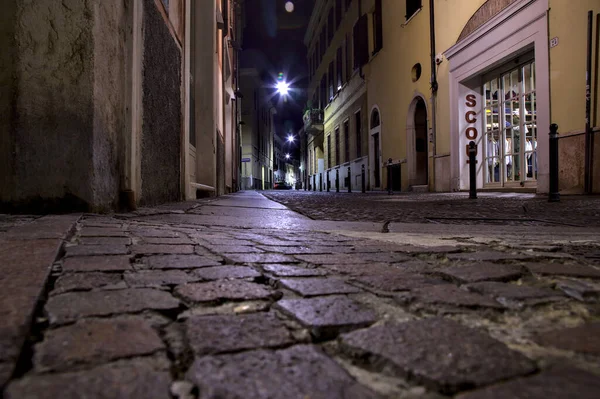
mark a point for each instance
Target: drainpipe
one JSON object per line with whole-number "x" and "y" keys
{"x": 434, "y": 85}
{"x": 588, "y": 127}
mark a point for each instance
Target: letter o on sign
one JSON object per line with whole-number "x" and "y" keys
{"x": 471, "y": 133}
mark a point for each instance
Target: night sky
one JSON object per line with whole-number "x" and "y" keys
{"x": 273, "y": 43}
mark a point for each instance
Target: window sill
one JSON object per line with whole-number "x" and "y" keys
{"x": 411, "y": 17}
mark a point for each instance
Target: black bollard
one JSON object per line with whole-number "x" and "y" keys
{"x": 337, "y": 180}
{"x": 362, "y": 172}
{"x": 321, "y": 181}
{"x": 389, "y": 170}
{"x": 472, "y": 170}
{"x": 553, "y": 195}
{"x": 349, "y": 180}
{"x": 328, "y": 182}
{"x": 314, "y": 183}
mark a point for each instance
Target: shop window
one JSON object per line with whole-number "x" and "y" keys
{"x": 329, "y": 151}
{"x": 347, "y": 141}
{"x": 412, "y": 6}
{"x": 510, "y": 126}
{"x": 377, "y": 27}
{"x": 337, "y": 145}
{"x": 358, "y": 127}
{"x": 338, "y": 67}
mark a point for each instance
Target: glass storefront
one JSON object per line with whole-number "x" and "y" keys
{"x": 510, "y": 126}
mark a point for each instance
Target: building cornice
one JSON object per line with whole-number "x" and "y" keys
{"x": 314, "y": 20}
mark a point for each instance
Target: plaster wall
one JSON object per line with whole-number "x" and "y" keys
{"x": 49, "y": 148}
{"x": 204, "y": 86}
{"x": 161, "y": 101}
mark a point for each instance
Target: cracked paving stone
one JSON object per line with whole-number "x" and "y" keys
{"x": 104, "y": 241}
{"x": 230, "y": 333}
{"x": 149, "y": 249}
{"x": 72, "y": 306}
{"x": 298, "y": 372}
{"x": 101, "y": 232}
{"x": 95, "y": 341}
{"x": 438, "y": 353}
{"x": 343, "y": 259}
{"x": 448, "y": 294}
{"x": 261, "y": 258}
{"x": 583, "y": 339}
{"x": 359, "y": 269}
{"x": 91, "y": 250}
{"x": 215, "y": 291}
{"x": 301, "y": 250}
{"x": 293, "y": 271}
{"x": 234, "y": 249}
{"x": 328, "y": 316}
{"x": 506, "y": 293}
{"x": 179, "y": 261}
{"x": 127, "y": 379}
{"x": 387, "y": 257}
{"x": 149, "y": 232}
{"x": 319, "y": 286}
{"x": 87, "y": 281}
{"x": 485, "y": 256}
{"x": 557, "y": 269}
{"x": 226, "y": 272}
{"x": 113, "y": 263}
{"x": 558, "y": 383}
{"x": 483, "y": 272}
{"x": 397, "y": 281}
{"x": 168, "y": 240}
{"x": 579, "y": 290}
{"x": 157, "y": 278}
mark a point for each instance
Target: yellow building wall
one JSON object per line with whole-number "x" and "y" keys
{"x": 568, "y": 22}
{"x": 390, "y": 85}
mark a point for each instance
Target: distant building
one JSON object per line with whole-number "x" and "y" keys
{"x": 438, "y": 74}
{"x": 110, "y": 105}
{"x": 257, "y": 132}
{"x": 334, "y": 122}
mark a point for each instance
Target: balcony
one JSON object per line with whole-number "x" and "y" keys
{"x": 313, "y": 120}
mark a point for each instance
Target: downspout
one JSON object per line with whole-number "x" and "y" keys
{"x": 434, "y": 87}
{"x": 588, "y": 129}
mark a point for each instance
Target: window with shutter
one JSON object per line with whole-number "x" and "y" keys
{"x": 338, "y": 67}
{"x": 377, "y": 28}
{"x": 360, "y": 42}
{"x": 331, "y": 82}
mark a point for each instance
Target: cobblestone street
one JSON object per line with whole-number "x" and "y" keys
{"x": 305, "y": 295}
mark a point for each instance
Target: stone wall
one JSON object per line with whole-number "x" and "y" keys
{"x": 64, "y": 111}
{"x": 161, "y": 101}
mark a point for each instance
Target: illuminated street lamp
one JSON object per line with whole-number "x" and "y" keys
{"x": 290, "y": 138}
{"x": 287, "y": 156}
{"x": 283, "y": 88}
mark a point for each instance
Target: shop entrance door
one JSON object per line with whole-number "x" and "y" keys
{"x": 510, "y": 127}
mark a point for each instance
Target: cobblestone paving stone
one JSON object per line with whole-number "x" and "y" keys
{"x": 140, "y": 306}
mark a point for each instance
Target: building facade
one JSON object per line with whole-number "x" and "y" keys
{"x": 257, "y": 132}
{"x": 113, "y": 105}
{"x": 334, "y": 122}
{"x": 441, "y": 74}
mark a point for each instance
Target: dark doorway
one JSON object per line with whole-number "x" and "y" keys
{"x": 421, "y": 143}
{"x": 376, "y": 166}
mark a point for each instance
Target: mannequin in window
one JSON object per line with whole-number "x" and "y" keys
{"x": 529, "y": 157}
{"x": 508, "y": 158}
{"x": 493, "y": 150}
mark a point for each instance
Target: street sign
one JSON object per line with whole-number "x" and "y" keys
{"x": 245, "y": 159}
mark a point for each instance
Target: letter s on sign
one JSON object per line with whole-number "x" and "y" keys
{"x": 471, "y": 100}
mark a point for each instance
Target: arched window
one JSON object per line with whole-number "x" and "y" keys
{"x": 375, "y": 118}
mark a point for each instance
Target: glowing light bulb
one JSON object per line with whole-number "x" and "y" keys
{"x": 289, "y": 6}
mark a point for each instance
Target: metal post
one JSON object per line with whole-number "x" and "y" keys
{"x": 349, "y": 180}
{"x": 472, "y": 170}
{"x": 362, "y": 172}
{"x": 328, "y": 181}
{"x": 553, "y": 195}
{"x": 389, "y": 173}
{"x": 321, "y": 181}
{"x": 337, "y": 180}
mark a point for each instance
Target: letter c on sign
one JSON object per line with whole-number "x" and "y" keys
{"x": 471, "y": 133}
{"x": 470, "y": 116}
